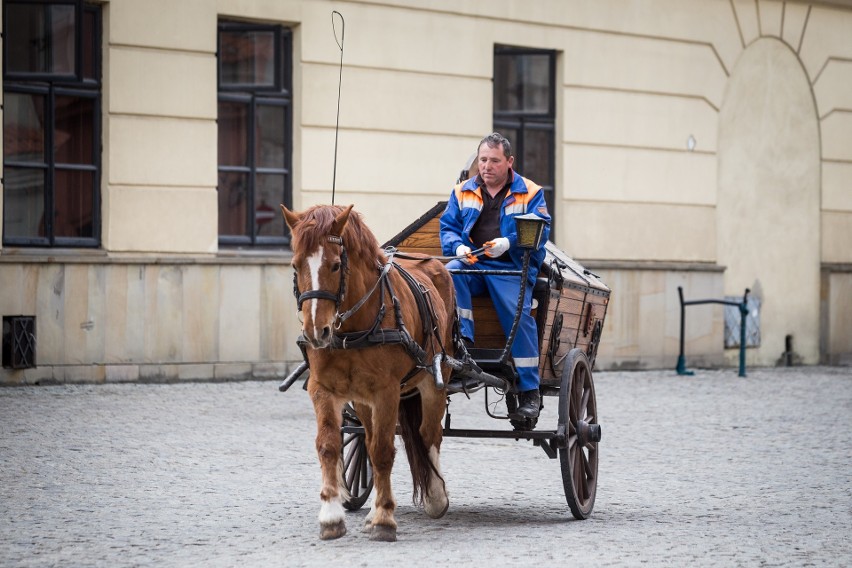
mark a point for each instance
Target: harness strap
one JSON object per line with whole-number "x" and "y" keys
{"x": 419, "y": 292}
{"x": 382, "y": 276}
{"x": 315, "y": 295}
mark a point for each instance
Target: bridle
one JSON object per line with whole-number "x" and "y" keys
{"x": 325, "y": 294}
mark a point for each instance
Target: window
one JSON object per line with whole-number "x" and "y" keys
{"x": 525, "y": 112}
{"x": 51, "y": 123}
{"x": 255, "y": 133}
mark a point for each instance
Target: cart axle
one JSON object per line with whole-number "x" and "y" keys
{"x": 587, "y": 433}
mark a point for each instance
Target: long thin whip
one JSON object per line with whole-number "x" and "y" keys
{"x": 339, "y": 83}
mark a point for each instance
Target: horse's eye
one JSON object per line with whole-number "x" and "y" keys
{"x": 335, "y": 267}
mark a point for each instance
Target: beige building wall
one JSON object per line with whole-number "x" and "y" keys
{"x": 644, "y": 89}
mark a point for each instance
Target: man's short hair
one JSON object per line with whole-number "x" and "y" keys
{"x": 494, "y": 140}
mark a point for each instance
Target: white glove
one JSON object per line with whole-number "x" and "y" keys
{"x": 464, "y": 251}
{"x": 497, "y": 247}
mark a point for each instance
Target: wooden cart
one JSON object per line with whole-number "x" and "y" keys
{"x": 569, "y": 306}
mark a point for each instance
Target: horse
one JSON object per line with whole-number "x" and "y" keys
{"x": 357, "y": 304}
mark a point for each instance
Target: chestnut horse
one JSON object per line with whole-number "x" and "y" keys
{"x": 340, "y": 269}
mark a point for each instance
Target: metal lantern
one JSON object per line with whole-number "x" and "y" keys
{"x": 530, "y": 230}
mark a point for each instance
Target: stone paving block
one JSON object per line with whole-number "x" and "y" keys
{"x": 195, "y": 372}
{"x": 80, "y": 373}
{"x": 158, "y": 373}
{"x": 232, "y": 371}
{"x": 37, "y": 375}
{"x": 270, "y": 370}
{"x": 122, "y": 373}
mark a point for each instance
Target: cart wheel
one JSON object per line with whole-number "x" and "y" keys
{"x": 578, "y": 417}
{"x": 357, "y": 470}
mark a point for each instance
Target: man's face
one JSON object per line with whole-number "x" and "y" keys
{"x": 493, "y": 165}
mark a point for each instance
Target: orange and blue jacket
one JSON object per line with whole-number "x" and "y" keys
{"x": 465, "y": 205}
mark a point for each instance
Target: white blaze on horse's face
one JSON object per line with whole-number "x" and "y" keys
{"x": 321, "y": 270}
{"x": 314, "y": 265}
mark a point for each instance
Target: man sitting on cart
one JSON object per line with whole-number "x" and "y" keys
{"x": 480, "y": 213}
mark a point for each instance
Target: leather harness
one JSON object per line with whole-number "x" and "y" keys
{"x": 377, "y": 335}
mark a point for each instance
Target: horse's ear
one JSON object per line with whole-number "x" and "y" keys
{"x": 340, "y": 220}
{"x": 291, "y": 218}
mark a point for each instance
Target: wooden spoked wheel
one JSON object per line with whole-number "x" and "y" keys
{"x": 357, "y": 470}
{"x": 578, "y": 419}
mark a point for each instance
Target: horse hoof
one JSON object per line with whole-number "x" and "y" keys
{"x": 368, "y": 527}
{"x": 332, "y": 530}
{"x": 437, "y": 512}
{"x": 383, "y": 533}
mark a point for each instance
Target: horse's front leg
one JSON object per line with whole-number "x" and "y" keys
{"x": 329, "y": 411}
{"x": 382, "y": 452}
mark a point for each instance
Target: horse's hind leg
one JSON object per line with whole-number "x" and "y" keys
{"x": 435, "y": 499}
{"x": 328, "y": 442}
{"x": 380, "y": 444}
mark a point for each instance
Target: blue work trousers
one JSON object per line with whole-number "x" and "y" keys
{"x": 504, "y": 293}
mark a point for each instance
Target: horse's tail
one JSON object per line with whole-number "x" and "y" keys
{"x": 422, "y": 469}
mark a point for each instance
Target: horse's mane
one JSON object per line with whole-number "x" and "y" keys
{"x": 316, "y": 225}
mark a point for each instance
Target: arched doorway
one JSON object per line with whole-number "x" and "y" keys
{"x": 768, "y": 202}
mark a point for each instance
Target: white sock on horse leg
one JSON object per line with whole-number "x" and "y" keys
{"x": 437, "y": 501}
{"x": 331, "y": 511}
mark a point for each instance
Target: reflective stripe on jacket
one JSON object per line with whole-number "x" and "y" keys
{"x": 465, "y": 205}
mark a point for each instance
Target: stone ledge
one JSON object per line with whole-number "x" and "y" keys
{"x": 674, "y": 266}
{"x": 146, "y": 373}
{"x": 82, "y": 256}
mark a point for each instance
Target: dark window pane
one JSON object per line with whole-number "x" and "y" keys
{"x": 74, "y": 204}
{"x": 90, "y": 47}
{"x": 269, "y": 128}
{"x": 75, "y": 124}
{"x": 26, "y": 39}
{"x": 233, "y": 196}
{"x": 506, "y": 87}
{"x": 537, "y": 156}
{"x": 63, "y": 31}
{"x": 23, "y": 202}
{"x": 522, "y": 83}
{"x": 40, "y": 38}
{"x": 269, "y": 193}
{"x": 23, "y": 127}
{"x": 247, "y": 58}
{"x": 233, "y": 134}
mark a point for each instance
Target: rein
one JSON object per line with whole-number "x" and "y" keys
{"x": 421, "y": 257}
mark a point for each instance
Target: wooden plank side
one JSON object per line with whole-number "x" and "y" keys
{"x": 576, "y": 331}
{"x": 421, "y": 240}
{"x": 425, "y": 238}
{"x": 424, "y": 251}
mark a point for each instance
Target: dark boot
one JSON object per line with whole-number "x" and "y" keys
{"x": 529, "y": 403}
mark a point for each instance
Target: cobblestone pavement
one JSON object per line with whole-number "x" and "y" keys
{"x": 710, "y": 470}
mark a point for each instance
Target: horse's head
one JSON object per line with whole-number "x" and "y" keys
{"x": 320, "y": 265}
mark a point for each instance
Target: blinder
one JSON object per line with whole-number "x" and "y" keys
{"x": 301, "y": 297}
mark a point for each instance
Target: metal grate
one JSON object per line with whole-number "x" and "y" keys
{"x": 732, "y": 323}
{"x": 19, "y": 342}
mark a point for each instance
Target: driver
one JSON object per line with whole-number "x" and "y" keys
{"x": 480, "y": 213}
